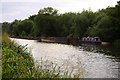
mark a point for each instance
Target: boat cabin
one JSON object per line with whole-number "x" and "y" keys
{"x": 91, "y": 39}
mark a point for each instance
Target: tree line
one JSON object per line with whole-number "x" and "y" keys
{"x": 104, "y": 23}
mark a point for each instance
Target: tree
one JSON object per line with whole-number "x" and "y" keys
{"x": 32, "y": 18}
{"x": 46, "y": 25}
{"x": 104, "y": 23}
{"x": 5, "y": 27}
{"x": 48, "y": 11}
{"x": 67, "y": 21}
{"x": 46, "y": 22}
{"x": 13, "y": 28}
{"x": 25, "y": 27}
{"x": 104, "y": 27}
{"x": 84, "y": 21}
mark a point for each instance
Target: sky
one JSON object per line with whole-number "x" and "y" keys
{"x": 22, "y": 9}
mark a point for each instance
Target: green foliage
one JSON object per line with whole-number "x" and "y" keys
{"x": 104, "y": 23}
{"x": 48, "y": 11}
{"x": 103, "y": 27}
{"x": 85, "y": 21}
{"x": 5, "y": 26}
{"x": 67, "y": 22}
{"x": 16, "y": 63}
{"x": 32, "y": 17}
{"x": 25, "y": 27}
{"x": 13, "y": 29}
{"x": 46, "y": 25}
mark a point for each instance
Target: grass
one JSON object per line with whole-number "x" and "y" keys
{"x": 17, "y": 63}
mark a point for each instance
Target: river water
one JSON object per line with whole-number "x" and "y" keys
{"x": 90, "y": 60}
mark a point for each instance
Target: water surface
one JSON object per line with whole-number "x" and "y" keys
{"x": 90, "y": 60}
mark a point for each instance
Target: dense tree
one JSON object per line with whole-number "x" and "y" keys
{"x": 104, "y": 23}
{"x": 13, "y": 28}
{"x": 85, "y": 20}
{"x": 103, "y": 28}
{"x": 5, "y": 26}
{"x": 46, "y": 25}
{"x": 25, "y": 27}
{"x": 107, "y": 24}
{"x": 32, "y": 17}
{"x": 47, "y": 22}
{"x": 67, "y": 22}
{"x": 48, "y": 11}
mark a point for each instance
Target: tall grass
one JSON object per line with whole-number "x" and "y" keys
{"x": 17, "y": 63}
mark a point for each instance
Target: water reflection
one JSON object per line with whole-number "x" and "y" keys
{"x": 91, "y": 61}
{"x": 103, "y": 49}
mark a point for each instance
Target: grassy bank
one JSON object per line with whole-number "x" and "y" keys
{"x": 17, "y": 63}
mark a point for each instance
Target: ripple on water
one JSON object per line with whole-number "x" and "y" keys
{"x": 90, "y": 64}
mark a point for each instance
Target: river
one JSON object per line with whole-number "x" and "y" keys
{"x": 90, "y": 60}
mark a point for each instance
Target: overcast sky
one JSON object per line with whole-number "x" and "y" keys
{"x": 21, "y": 9}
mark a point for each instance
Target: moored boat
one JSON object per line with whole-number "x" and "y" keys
{"x": 91, "y": 39}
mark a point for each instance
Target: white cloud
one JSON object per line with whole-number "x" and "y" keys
{"x": 19, "y": 0}
{"x": 0, "y": 12}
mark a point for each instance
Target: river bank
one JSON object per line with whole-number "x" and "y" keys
{"x": 18, "y": 63}
{"x": 27, "y": 37}
{"x": 90, "y": 60}
{"x": 62, "y": 40}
